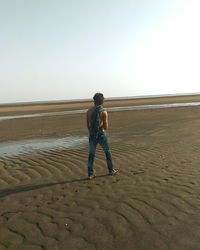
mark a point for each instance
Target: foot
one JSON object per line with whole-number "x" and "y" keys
{"x": 90, "y": 177}
{"x": 113, "y": 171}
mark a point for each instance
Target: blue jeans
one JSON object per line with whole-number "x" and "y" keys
{"x": 101, "y": 138}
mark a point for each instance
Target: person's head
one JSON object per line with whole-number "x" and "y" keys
{"x": 98, "y": 99}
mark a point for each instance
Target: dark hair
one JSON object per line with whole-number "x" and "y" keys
{"x": 98, "y": 98}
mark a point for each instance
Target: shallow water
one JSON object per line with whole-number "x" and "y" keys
{"x": 22, "y": 147}
{"x": 15, "y": 148}
{"x": 138, "y": 107}
{"x": 8, "y": 117}
{"x": 155, "y": 106}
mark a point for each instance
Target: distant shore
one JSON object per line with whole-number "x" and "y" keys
{"x": 34, "y": 107}
{"x": 89, "y": 99}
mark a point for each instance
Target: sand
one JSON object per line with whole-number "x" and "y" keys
{"x": 153, "y": 203}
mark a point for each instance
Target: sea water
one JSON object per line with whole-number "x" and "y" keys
{"x": 136, "y": 107}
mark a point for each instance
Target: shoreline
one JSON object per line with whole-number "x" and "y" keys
{"x": 111, "y": 109}
{"x": 90, "y": 99}
{"x": 67, "y": 106}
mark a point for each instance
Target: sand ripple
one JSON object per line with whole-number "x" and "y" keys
{"x": 153, "y": 203}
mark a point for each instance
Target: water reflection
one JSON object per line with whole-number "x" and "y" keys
{"x": 27, "y": 146}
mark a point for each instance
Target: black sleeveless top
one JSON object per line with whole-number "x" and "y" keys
{"x": 95, "y": 121}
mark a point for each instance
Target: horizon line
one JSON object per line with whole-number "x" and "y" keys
{"x": 89, "y": 99}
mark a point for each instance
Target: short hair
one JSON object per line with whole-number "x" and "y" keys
{"x": 98, "y": 98}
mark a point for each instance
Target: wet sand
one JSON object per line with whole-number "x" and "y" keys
{"x": 153, "y": 203}
{"x": 9, "y": 109}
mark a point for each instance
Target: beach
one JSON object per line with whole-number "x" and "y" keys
{"x": 152, "y": 203}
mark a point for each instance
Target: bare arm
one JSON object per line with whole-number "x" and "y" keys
{"x": 88, "y": 119}
{"x": 105, "y": 120}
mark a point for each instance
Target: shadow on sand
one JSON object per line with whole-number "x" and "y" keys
{"x": 31, "y": 187}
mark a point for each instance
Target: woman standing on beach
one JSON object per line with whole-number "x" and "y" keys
{"x": 97, "y": 123}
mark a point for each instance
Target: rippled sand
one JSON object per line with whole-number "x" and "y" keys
{"x": 153, "y": 203}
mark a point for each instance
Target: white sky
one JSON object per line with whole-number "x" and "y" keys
{"x": 58, "y": 50}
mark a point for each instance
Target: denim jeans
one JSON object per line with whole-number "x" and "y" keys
{"x": 102, "y": 139}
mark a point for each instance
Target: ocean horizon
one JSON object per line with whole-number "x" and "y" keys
{"x": 18, "y": 103}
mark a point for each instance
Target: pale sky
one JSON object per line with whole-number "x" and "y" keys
{"x": 61, "y": 49}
